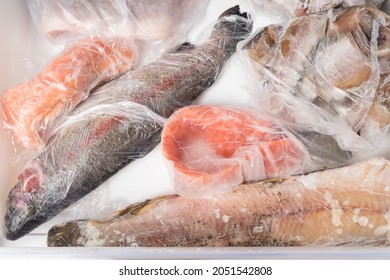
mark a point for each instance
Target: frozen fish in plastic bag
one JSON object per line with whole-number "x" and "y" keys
{"x": 348, "y": 206}
{"x": 327, "y": 73}
{"x": 120, "y": 122}
{"x": 212, "y": 149}
{"x": 32, "y": 110}
{"x": 284, "y": 9}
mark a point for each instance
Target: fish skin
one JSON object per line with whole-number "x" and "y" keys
{"x": 126, "y": 128}
{"x": 344, "y": 206}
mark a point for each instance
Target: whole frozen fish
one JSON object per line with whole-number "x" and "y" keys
{"x": 119, "y": 123}
{"x": 345, "y": 206}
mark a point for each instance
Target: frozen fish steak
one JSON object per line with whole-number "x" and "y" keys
{"x": 119, "y": 123}
{"x": 345, "y": 206}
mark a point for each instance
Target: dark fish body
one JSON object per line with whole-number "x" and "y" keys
{"x": 345, "y": 206}
{"x": 119, "y": 123}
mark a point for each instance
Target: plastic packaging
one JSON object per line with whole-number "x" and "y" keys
{"x": 32, "y": 110}
{"x": 101, "y": 48}
{"x": 157, "y": 25}
{"x": 325, "y": 73}
{"x": 348, "y": 206}
{"x": 285, "y": 9}
{"x": 119, "y": 123}
{"x": 212, "y": 149}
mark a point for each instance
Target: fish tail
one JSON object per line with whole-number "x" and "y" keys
{"x": 232, "y": 27}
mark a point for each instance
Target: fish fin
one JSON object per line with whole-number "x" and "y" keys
{"x": 137, "y": 208}
{"x": 185, "y": 46}
{"x": 234, "y": 11}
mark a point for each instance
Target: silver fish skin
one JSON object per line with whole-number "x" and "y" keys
{"x": 119, "y": 123}
{"x": 339, "y": 207}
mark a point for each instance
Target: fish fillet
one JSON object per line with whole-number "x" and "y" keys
{"x": 32, "y": 110}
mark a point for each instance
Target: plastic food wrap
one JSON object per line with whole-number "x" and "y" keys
{"x": 212, "y": 149}
{"x": 348, "y": 206}
{"x": 325, "y": 73}
{"x": 150, "y": 21}
{"x": 118, "y": 123}
{"x": 32, "y": 110}
{"x": 296, "y": 8}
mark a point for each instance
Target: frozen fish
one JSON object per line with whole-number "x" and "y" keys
{"x": 211, "y": 149}
{"x": 297, "y": 8}
{"x": 120, "y": 122}
{"x": 32, "y": 110}
{"x": 326, "y": 72}
{"x": 348, "y": 206}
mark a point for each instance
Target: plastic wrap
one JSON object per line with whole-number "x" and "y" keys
{"x": 211, "y": 149}
{"x": 285, "y": 9}
{"x": 348, "y": 206}
{"x": 32, "y": 110}
{"x": 105, "y": 37}
{"x": 120, "y": 122}
{"x": 325, "y": 73}
{"x": 158, "y": 25}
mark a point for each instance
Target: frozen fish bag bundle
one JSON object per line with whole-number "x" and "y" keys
{"x": 120, "y": 122}
{"x": 325, "y": 73}
{"x": 284, "y": 9}
{"x": 102, "y": 43}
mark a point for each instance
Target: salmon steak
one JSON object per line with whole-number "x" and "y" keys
{"x": 32, "y": 110}
{"x": 348, "y": 206}
{"x": 211, "y": 149}
{"x": 120, "y": 122}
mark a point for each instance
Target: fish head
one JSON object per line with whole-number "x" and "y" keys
{"x": 22, "y": 205}
{"x": 232, "y": 26}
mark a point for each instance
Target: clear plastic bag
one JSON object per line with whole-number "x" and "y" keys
{"x": 32, "y": 110}
{"x": 285, "y": 9}
{"x": 104, "y": 39}
{"x": 325, "y": 73}
{"x": 212, "y": 149}
{"x": 348, "y": 206}
{"x": 159, "y": 25}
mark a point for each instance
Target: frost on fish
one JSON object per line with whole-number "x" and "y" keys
{"x": 211, "y": 149}
{"x": 295, "y": 8}
{"x": 345, "y": 206}
{"x": 326, "y": 73}
{"x": 120, "y": 122}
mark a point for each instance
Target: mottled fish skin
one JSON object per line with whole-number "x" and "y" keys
{"x": 339, "y": 207}
{"x": 98, "y": 140}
